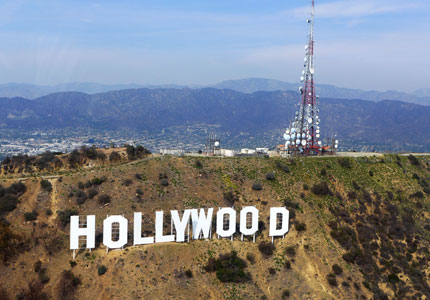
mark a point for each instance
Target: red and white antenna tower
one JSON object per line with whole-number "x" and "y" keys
{"x": 303, "y": 134}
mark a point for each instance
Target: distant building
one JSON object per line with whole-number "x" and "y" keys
{"x": 174, "y": 152}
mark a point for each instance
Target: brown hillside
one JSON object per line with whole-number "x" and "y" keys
{"x": 359, "y": 229}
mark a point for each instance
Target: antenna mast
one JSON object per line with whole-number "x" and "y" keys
{"x": 302, "y": 136}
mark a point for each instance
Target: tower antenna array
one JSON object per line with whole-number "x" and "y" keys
{"x": 303, "y": 134}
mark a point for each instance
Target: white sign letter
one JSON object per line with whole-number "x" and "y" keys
{"x": 159, "y": 237}
{"x": 285, "y": 216}
{"x": 122, "y": 231}
{"x": 76, "y": 232}
{"x": 231, "y": 222}
{"x": 201, "y": 222}
{"x": 180, "y": 225}
{"x": 137, "y": 232}
{"x": 243, "y": 220}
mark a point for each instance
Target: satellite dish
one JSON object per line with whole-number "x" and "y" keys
{"x": 304, "y": 143}
{"x": 298, "y": 135}
{"x": 309, "y": 120}
{"x": 216, "y": 144}
{"x": 287, "y": 131}
{"x": 318, "y": 131}
{"x": 306, "y": 59}
{"x": 317, "y": 135}
{"x": 298, "y": 142}
{"x": 293, "y": 130}
{"x": 312, "y": 70}
{"x": 302, "y": 78}
{"x": 335, "y": 146}
{"x": 303, "y": 72}
{"x": 287, "y": 137}
{"x": 336, "y": 141}
{"x": 319, "y": 143}
{"x": 287, "y": 143}
{"x": 306, "y": 47}
{"x": 308, "y": 20}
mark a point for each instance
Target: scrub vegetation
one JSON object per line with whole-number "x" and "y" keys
{"x": 359, "y": 227}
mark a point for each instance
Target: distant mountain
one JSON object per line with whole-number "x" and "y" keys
{"x": 422, "y": 93}
{"x": 247, "y": 85}
{"x": 391, "y": 123}
{"x": 31, "y": 91}
{"x": 250, "y": 85}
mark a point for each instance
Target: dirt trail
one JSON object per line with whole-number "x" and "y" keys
{"x": 33, "y": 192}
{"x": 54, "y": 199}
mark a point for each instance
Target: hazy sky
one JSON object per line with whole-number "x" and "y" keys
{"x": 368, "y": 44}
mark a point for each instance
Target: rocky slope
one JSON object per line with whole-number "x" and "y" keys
{"x": 359, "y": 230}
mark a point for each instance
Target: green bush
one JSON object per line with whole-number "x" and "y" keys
{"x": 43, "y": 277}
{"x": 300, "y": 226}
{"x": 46, "y": 185}
{"x": 285, "y": 294}
{"x": 104, "y": 199}
{"x": 189, "y": 273}
{"x": 198, "y": 164}
{"x": 67, "y": 285}
{"x": 164, "y": 182}
{"x": 64, "y": 216}
{"x": 48, "y": 212}
{"x": 414, "y": 160}
{"x": 266, "y": 248}
{"x": 229, "y": 268}
{"x": 251, "y": 258}
{"x": 345, "y": 162}
{"x": 321, "y": 189}
{"x": 92, "y": 193}
{"x": 270, "y": 176}
{"x": 97, "y": 181}
{"x": 283, "y": 167}
{"x": 331, "y": 278}
{"x": 356, "y": 186}
{"x": 127, "y": 182}
{"x": 101, "y": 270}
{"x": 290, "y": 251}
{"x": 81, "y": 197}
{"x": 393, "y": 278}
{"x": 30, "y": 216}
{"x": 257, "y": 186}
{"x": 417, "y": 195}
{"x": 114, "y": 156}
{"x": 8, "y": 203}
{"x": 337, "y": 269}
{"x": 17, "y": 189}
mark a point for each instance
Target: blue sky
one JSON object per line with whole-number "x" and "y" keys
{"x": 367, "y": 44}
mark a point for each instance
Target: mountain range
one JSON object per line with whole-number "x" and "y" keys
{"x": 247, "y": 85}
{"x": 393, "y": 124}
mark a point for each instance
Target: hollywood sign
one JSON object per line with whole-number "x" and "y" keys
{"x": 201, "y": 226}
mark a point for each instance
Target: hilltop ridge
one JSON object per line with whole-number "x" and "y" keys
{"x": 359, "y": 229}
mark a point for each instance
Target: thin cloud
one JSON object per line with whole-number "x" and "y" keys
{"x": 356, "y": 8}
